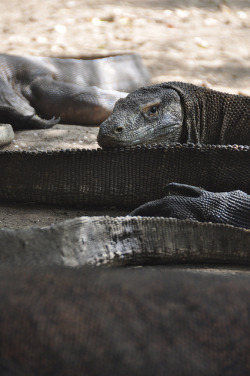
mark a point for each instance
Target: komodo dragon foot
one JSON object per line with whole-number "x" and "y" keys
{"x": 188, "y": 202}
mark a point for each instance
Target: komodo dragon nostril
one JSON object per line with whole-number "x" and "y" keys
{"x": 118, "y": 129}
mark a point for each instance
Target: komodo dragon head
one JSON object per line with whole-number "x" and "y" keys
{"x": 148, "y": 115}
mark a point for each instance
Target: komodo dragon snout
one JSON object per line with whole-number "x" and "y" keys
{"x": 147, "y": 115}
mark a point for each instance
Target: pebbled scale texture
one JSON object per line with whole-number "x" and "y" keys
{"x": 123, "y": 321}
{"x": 124, "y": 177}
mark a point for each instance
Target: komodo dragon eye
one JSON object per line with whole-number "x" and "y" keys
{"x": 151, "y": 111}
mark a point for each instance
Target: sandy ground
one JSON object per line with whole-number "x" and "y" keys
{"x": 205, "y": 42}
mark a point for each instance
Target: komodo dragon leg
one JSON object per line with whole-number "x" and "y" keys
{"x": 17, "y": 111}
{"x": 79, "y": 91}
{"x": 55, "y": 101}
{"x": 71, "y": 103}
{"x": 188, "y": 202}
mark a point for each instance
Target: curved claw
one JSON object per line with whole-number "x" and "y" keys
{"x": 36, "y": 122}
{"x": 54, "y": 120}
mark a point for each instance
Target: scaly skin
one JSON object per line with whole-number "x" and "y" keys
{"x": 145, "y": 116}
{"x": 187, "y": 202}
{"x": 177, "y": 112}
{"x": 38, "y": 92}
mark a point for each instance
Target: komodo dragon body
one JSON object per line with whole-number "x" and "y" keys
{"x": 177, "y": 112}
{"x": 35, "y": 92}
{"x": 182, "y": 112}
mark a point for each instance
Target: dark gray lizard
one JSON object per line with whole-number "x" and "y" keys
{"x": 181, "y": 112}
{"x": 55, "y": 320}
{"x": 36, "y": 91}
{"x": 177, "y": 112}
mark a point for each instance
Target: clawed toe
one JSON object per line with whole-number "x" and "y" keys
{"x": 51, "y": 122}
{"x": 54, "y": 120}
{"x": 39, "y": 123}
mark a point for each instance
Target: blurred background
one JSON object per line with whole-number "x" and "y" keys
{"x": 205, "y": 42}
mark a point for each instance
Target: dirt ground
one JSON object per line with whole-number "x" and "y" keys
{"x": 205, "y": 42}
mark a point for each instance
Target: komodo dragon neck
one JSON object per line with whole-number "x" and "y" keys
{"x": 177, "y": 112}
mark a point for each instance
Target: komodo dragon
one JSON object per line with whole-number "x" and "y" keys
{"x": 181, "y": 112}
{"x": 177, "y": 112}
{"x": 37, "y": 92}
{"x": 144, "y": 321}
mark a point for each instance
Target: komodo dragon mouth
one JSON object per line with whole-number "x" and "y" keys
{"x": 150, "y": 136}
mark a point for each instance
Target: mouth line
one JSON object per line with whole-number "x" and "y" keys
{"x": 109, "y": 140}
